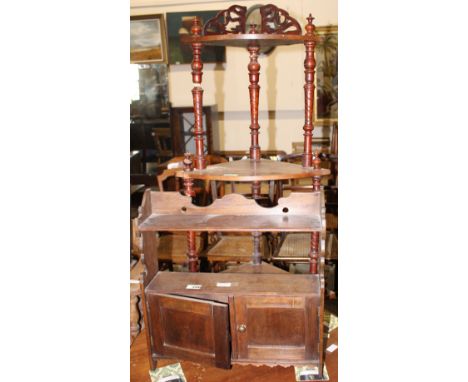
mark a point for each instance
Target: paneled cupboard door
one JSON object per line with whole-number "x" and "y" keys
{"x": 192, "y": 329}
{"x": 273, "y": 328}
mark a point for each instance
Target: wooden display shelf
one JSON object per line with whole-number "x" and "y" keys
{"x": 247, "y": 170}
{"x": 226, "y": 223}
{"x": 171, "y": 211}
{"x": 254, "y": 314}
{"x": 246, "y": 39}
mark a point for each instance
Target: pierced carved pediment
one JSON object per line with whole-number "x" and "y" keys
{"x": 274, "y": 20}
{"x": 231, "y": 20}
{"x": 277, "y": 20}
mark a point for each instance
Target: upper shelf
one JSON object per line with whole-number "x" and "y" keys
{"x": 233, "y": 27}
{"x": 246, "y": 170}
{"x": 244, "y": 39}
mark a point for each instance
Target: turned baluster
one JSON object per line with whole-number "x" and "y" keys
{"x": 309, "y": 87}
{"x": 256, "y": 255}
{"x": 197, "y": 95}
{"x": 315, "y": 237}
{"x": 134, "y": 313}
{"x": 254, "y": 91}
{"x": 191, "y": 237}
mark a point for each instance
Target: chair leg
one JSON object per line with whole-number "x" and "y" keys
{"x": 134, "y": 315}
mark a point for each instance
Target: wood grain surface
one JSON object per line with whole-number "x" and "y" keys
{"x": 244, "y": 39}
{"x": 171, "y": 211}
{"x": 248, "y": 171}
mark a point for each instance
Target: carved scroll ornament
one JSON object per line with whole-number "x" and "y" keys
{"x": 274, "y": 20}
{"x": 277, "y": 20}
{"x": 222, "y": 22}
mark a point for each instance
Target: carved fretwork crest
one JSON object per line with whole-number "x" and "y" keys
{"x": 276, "y": 20}
{"x": 231, "y": 20}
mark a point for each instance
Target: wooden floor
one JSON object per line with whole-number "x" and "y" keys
{"x": 195, "y": 372}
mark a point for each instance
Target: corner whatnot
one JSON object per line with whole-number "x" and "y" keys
{"x": 257, "y": 313}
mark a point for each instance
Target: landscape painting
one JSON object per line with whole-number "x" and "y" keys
{"x": 326, "y": 94}
{"x": 147, "y": 39}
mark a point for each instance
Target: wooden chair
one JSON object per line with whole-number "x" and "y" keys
{"x": 162, "y": 141}
{"x": 172, "y": 247}
{"x": 136, "y": 323}
{"x": 294, "y": 248}
{"x": 221, "y": 248}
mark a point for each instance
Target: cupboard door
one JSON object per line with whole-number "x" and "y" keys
{"x": 187, "y": 328}
{"x": 276, "y": 328}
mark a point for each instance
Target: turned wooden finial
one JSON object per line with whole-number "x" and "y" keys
{"x": 310, "y": 27}
{"x": 197, "y": 64}
{"x": 188, "y": 182}
{"x": 196, "y": 27}
{"x": 188, "y": 162}
{"x": 316, "y": 161}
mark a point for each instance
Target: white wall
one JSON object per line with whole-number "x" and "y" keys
{"x": 281, "y": 78}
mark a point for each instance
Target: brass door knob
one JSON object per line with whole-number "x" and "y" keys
{"x": 241, "y": 328}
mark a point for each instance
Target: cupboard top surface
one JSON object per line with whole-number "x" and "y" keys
{"x": 193, "y": 284}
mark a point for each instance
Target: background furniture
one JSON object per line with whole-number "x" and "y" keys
{"x": 183, "y": 129}
{"x": 146, "y": 137}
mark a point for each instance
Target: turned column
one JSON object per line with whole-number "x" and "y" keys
{"x": 309, "y": 87}
{"x": 134, "y": 312}
{"x": 315, "y": 237}
{"x": 256, "y": 255}
{"x": 192, "y": 254}
{"x": 254, "y": 91}
{"x": 197, "y": 95}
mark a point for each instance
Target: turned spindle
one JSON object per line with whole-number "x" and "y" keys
{"x": 197, "y": 64}
{"x": 309, "y": 87}
{"x": 200, "y": 160}
{"x": 315, "y": 237}
{"x": 256, "y": 255}
{"x": 254, "y": 91}
{"x": 192, "y": 255}
{"x": 197, "y": 95}
{"x": 135, "y": 326}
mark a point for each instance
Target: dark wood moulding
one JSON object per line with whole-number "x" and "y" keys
{"x": 244, "y": 39}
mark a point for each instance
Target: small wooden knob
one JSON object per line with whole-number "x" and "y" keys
{"x": 242, "y": 328}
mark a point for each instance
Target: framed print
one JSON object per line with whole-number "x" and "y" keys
{"x": 147, "y": 39}
{"x": 326, "y": 74}
{"x": 180, "y": 23}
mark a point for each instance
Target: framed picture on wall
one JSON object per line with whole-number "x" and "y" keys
{"x": 326, "y": 74}
{"x": 148, "y": 39}
{"x": 180, "y": 23}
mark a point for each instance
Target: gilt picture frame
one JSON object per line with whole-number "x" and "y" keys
{"x": 326, "y": 76}
{"x": 148, "y": 39}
